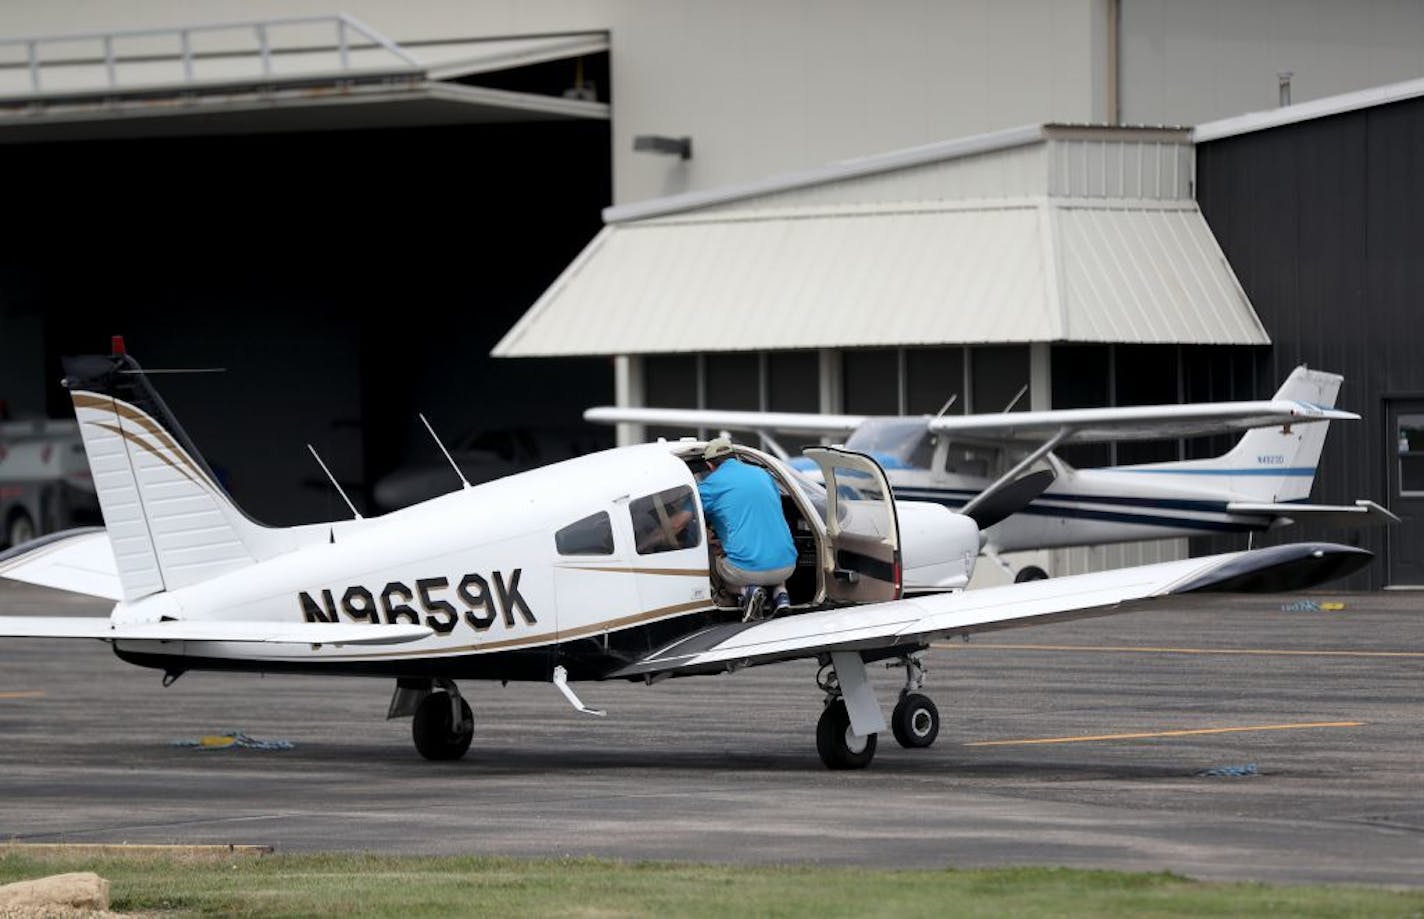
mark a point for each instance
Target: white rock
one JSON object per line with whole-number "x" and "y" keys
{"x": 80, "y": 890}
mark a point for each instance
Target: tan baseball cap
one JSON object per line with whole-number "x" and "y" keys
{"x": 717, "y": 448}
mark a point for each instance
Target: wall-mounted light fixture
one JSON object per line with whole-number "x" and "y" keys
{"x": 656, "y": 143}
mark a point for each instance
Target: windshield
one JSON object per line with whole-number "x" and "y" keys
{"x": 895, "y": 443}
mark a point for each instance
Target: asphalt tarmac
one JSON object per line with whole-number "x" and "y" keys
{"x": 1078, "y": 744}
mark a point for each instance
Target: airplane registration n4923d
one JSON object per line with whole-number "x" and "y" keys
{"x": 595, "y": 568}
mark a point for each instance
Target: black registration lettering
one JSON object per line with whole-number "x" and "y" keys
{"x": 396, "y": 612}
{"x": 444, "y": 607}
{"x": 358, "y": 604}
{"x": 313, "y": 613}
{"x": 474, "y": 592}
{"x": 510, "y": 599}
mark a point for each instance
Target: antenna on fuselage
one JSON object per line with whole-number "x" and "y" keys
{"x": 334, "y": 484}
{"x": 463, "y": 481}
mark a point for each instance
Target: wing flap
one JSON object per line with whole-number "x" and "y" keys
{"x": 298, "y": 633}
{"x": 919, "y": 620}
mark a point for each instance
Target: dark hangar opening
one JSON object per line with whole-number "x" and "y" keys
{"x": 345, "y": 279}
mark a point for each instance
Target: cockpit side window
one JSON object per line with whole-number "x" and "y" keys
{"x": 666, "y": 521}
{"x": 593, "y": 535}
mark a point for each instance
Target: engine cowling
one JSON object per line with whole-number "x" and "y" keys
{"x": 938, "y": 547}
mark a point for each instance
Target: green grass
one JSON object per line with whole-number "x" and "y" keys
{"x": 368, "y": 885}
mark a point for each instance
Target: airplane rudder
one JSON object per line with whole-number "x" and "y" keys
{"x": 170, "y": 522}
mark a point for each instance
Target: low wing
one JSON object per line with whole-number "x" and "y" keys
{"x": 692, "y": 418}
{"x": 917, "y": 621}
{"x": 1135, "y": 422}
{"x": 1362, "y": 513}
{"x": 293, "y": 633}
{"x": 80, "y": 560}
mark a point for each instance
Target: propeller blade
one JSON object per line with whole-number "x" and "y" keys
{"x": 1010, "y": 499}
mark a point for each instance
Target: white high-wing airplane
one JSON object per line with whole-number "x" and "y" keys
{"x": 963, "y": 461}
{"x": 574, "y": 571}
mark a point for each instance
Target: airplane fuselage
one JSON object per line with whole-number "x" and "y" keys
{"x": 506, "y": 591}
{"x": 1093, "y": 507}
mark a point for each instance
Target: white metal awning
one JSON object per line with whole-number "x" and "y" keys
{"x": 301, "y": 73}
{"x": 933, "y": 250}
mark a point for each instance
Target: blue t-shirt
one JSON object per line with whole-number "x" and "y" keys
{"x": 743, "y": 504}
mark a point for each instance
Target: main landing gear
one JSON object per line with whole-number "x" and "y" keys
{"x": 850, "y": 703}
{"x": 837, "y": 742}
{"x": 443, "y": 725}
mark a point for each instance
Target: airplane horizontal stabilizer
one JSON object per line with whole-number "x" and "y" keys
{"x": 916, "y": 621}
{"x": 80, "y": 560}
{"x": 1363, "y": 513}
{"x": 293, "y": 633}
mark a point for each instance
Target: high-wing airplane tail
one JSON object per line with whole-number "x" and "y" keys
{"x": 1270, "y": 464}
{"x": 169, "y": 522}
{"x": 1294, "y": 452}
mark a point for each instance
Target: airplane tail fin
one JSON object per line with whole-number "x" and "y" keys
{"x": 169, "y": 522}
{"x": 1275, "y": 464}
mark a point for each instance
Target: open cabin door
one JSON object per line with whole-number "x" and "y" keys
{"x": 861, "y": 559}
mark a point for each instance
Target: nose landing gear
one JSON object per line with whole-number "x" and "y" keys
{"x": 915, "y": 721}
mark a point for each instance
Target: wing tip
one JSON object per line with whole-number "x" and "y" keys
{"x": 1297, "y": 566}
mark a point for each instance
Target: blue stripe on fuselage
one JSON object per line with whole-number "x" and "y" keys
{"x": 953, "y": 498}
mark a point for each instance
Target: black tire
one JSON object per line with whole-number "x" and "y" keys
{"x": 1031, "y": 573}
{"x": 915, "y": 721}
{"x": 833, "y": 740}
{"x": 435, "y": 737}
{"x": 20, "y": 529}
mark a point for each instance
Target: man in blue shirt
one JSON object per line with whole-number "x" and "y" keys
{"x": 744, "y": 508}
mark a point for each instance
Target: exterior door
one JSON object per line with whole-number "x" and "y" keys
{"x": 861, "y": 561}
{"x": 1404, "y": 455}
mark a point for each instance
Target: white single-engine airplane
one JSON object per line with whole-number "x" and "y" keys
{"x": 963, "y": 461}
{"x": 575, "y": 571}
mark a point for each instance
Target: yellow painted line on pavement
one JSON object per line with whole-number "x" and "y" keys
{"x": 1183, "y": 733}
{"x": 23, "y": 694}
{"x": 1138, "y": 649}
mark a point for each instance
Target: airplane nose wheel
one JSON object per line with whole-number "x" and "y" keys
{"x": 915, "y": 721}
{"x": 443, "y": 725}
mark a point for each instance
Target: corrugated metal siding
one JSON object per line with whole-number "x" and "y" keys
{"x": 1120, "y": 169}
{"x": 1086, "y": 559}
{"x": 1016, "y": 271}
{"x": 1322, "y": 221}
{"x": 864, "y": 278}
{"x": 1148, "y": 275}
{"x": 972, "y": 248}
